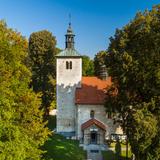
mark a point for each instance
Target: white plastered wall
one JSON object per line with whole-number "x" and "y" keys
{"x": 67, "y": 81}
{"x": 83, "y": 115}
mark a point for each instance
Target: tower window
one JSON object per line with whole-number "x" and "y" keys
{"x": 92, "y": 114}
{"x": 69, "y": 65}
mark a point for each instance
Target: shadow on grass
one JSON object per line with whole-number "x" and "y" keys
{"x": 110, "y": 155}
{"x": 118, "y": 152}
{"x": 59, "y": 148}
{"x": 117, "y": 155}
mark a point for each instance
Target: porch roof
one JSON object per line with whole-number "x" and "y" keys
{"x": 91, "y": 122}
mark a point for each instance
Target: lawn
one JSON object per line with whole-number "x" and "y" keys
{"x": 59, "y": 148}
{"x": 111, "y": 155}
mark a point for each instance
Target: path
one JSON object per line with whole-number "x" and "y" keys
{"x": 94, "y": 152}
{"x": 94, "y": 156}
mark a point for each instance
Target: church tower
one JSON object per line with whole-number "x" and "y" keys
{"x": 69, "y": 75}
{"x": 69, "y": 38}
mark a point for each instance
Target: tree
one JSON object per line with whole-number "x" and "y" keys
{"x": 134, "y": 64}
{"x": 87, "y": 66}
{"x": 42, "y": 53}
{"x": 99, "y": 60}
{"x": 118, "y": 149}
{"x": 22, "y": 130}
{"x": 143, "y": 133}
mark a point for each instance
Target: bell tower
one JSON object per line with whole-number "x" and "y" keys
{"x": 68, "y": 78}
{"x": 69, "y": 38}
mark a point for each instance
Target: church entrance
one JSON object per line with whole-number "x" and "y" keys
{"x": 93, "y": 132}
{"x": 93, "y": 137}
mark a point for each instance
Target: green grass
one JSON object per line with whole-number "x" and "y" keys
{"x": 111, "y": 155}
{"x": 108, "y": 155}
{"x": 112, "y": 145}
{"x": 59, "y": 148}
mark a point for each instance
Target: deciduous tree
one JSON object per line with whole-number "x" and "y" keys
{"x": 87, "y": 66}
{"x": 22, "y": 129}
{"x": 42, "y": 53}
{"x": 134, "y": 64}
{"x": 99, "y": 60}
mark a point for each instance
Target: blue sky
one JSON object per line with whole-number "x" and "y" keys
{"x": 93, "y": 21}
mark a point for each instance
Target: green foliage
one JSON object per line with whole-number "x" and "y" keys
{"x": 51, "y": 122}
{"x": 87, "y": 66}
{"x": 99, "y": 60}
{"x": 42, "y": 53}
{"x": 59, "y": 148}
{"x": 22, "y": 130}
{"x": 134, "y": 64}
{"x": 143, "y": 132}
{"x": 110, "y": 155}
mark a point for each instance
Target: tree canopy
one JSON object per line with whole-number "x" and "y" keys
{"x": 42, "y": 53}
{"x": 87, "y": 66}
{"x": 22, "y": 130}
{"x": 99, "y": 61}
{"x": 134, "y": 64}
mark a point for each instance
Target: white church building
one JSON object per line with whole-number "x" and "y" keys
{"x": 80, "y": 100}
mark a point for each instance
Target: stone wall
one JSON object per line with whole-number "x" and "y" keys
{"x": 69, "y": 77}
{"x": 67, "y": 82}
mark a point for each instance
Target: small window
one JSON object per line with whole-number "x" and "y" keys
{"x": 70, "y": 64}
{"x": 92, "y": 114}
{"x": 67, "y": 65}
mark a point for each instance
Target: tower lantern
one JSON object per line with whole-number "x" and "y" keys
{"x": 69, "y": 38}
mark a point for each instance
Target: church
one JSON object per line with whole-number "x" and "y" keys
{"x": 80, "y": 100}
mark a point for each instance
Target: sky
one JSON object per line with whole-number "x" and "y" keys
{"x": 93, "y": 21}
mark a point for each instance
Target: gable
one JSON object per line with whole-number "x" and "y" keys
{"x": 91, "y": 122}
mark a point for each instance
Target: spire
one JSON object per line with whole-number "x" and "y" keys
{"x": 70, "y": 20}
{"x": 69, "y": 36}
{"x": 69, "y": 51}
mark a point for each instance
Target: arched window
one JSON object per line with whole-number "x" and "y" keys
{"x": 67, "y": 65}
{"x": 70, "y": 64}
{"x": 92, "y": 114}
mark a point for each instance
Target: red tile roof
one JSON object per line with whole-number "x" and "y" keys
{"x": 91, "y": 122}
{"x": 92, "y": 90}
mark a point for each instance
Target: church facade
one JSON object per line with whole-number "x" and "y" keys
{"x": 80, "y": 100}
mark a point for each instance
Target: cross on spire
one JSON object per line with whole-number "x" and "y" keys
{"x": 69, "y": 20}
